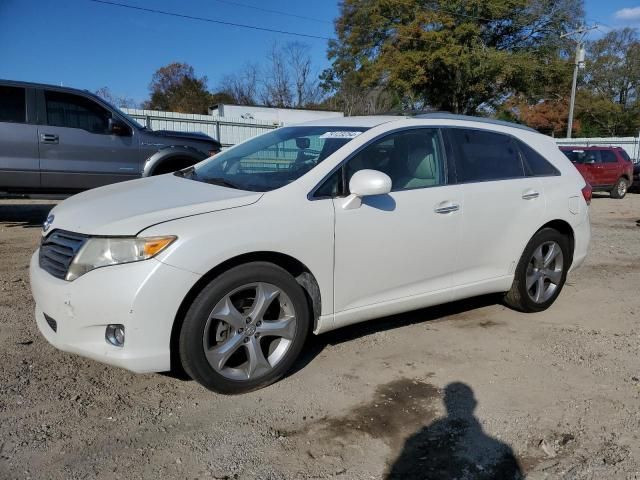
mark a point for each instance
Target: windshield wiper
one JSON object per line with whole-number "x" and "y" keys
{"x": 222, "y": 182}
{"x": 189, "y": 171}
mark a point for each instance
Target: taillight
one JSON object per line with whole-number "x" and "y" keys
{"x": 587, "y": 192}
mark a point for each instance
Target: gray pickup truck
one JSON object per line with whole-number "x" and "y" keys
{"x": 63, "y": 140}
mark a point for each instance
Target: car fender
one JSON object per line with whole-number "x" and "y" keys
{"x": 169, "y": 152}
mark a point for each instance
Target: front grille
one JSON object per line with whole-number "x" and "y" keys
{"x": 57, "y": 251}
{"x": 52, "y": 323}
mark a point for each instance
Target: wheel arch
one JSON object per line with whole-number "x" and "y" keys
{"x": 169, "y": 154}
{"x": 295, "y": 267}
{"x": 563, "y": 227}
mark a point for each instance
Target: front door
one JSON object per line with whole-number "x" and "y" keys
{"x": 19, "y": 164}
{"x": 398, "y": 250}
{"x": 609, "y": 167}
{"x": 77, "y": 151}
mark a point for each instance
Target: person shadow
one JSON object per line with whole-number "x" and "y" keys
{"x": 455, "y": 447}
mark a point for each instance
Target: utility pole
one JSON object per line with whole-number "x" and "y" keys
{"x": 581, "y": 34}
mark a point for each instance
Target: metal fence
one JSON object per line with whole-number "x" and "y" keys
{"x": 227, "y": 131}
{"x": 630, "y": 144}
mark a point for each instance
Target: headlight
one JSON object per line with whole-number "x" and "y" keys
{"x": 101, "y": 252}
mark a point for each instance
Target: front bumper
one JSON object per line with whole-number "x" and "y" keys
{"x": 142, "y": 296}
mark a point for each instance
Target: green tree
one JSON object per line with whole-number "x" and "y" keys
{"x": 176, "y": 88}
{"x": 458, "y": 55}
{"x": 608, "y": 104}
{"x": 613, "y": 66}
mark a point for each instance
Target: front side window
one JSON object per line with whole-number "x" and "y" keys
{"x": 74, "y": 111}
{"x": 13, "y": 106}
{"x": 625, "y": 155}
{"x": 412, "y": 159}
{"x": 482, "y": 156}
{"x": 275, "y": 159}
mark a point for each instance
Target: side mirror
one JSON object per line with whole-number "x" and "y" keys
{"x": 303, "y": 142}
{"x": 365, "y": 183}
{"x": 590, "y": 160}
{"x": 118, "y": 127}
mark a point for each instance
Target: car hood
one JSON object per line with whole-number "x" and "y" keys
{"x": 127, "y": 208}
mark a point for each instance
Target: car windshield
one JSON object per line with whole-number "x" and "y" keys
{"x": 274, "y": 159}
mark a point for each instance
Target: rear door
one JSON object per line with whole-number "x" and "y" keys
{"x": 501, "y": 205}
{"x": 19, "y": 163}
{"x": 77, "y": 150}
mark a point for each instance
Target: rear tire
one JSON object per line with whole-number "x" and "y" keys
{"x": 620, "y": 188}
{"x": 245, "y": 329}
{"x": 541, "y": 272}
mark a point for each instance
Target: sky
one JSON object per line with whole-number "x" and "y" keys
{"x": 89, "y": 45}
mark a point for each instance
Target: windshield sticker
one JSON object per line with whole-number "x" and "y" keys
{"x": 340, "y": 134}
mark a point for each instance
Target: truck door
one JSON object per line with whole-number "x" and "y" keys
{"x": 77, "y": 148}
{"x": 19, "y": 163}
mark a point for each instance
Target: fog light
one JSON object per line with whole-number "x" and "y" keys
{"x": 114, "y": 334}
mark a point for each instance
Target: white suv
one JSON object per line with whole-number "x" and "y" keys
{"x": 225, "y": 267}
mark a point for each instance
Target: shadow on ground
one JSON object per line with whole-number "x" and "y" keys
{"x": 455, "y": 446}
{"x": 317, "y": 343}
{"x": 24, "y": 215}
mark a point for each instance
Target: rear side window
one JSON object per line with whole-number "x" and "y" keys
{"x": 535, "y": 164}
{"x": 607, "y": 156}
{"x": 582, "y": 156}
{"x": 13, "y": 105}
{"x": 482, "y": 156}
{"x": 74, "y": 111}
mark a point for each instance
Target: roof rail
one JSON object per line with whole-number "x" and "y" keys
{"x": 469, "y": 118}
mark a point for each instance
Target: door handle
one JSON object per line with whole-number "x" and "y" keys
{"x": 530, "y": 195}
{"x": 49, "y": 138}
{"x": 447, "y": 207}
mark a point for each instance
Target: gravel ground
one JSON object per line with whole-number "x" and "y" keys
{"x": 467, "y": 390}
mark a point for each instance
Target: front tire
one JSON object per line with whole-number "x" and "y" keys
{"x": 620, "y": 188}
{"x": 245, "y": 329}
{"x": 541, "y": 272}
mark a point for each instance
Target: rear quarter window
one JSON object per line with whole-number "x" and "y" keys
{"x": 535, "y": 164}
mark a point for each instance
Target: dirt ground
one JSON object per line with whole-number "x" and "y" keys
{"x": 467, "y": 390}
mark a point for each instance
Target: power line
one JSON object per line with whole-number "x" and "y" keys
{"x": 210, "y": 20}
{"x": 278, "y": 12}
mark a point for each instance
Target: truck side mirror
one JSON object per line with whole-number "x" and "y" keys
{"x": 118, "y": 127}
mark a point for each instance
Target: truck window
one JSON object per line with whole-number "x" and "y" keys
{"x": 13, "y": 107}
{"x": 74, "y": 111}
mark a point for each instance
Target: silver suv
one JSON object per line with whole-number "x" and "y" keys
{"x": 63, "y": 140}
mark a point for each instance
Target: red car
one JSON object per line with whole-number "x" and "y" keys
{"x": 607, "y": 169}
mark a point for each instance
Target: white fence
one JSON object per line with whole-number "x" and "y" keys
{"x": 226, "y": 131}
{"x": 630, "y": 144}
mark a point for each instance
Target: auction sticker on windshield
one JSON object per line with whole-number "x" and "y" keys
{"x": 340, "y": 134}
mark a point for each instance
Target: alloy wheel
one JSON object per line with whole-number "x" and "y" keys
{"x": 249, "y": 331}
{"x": 622, "y": 188}
{"x": 544, "y": 272}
